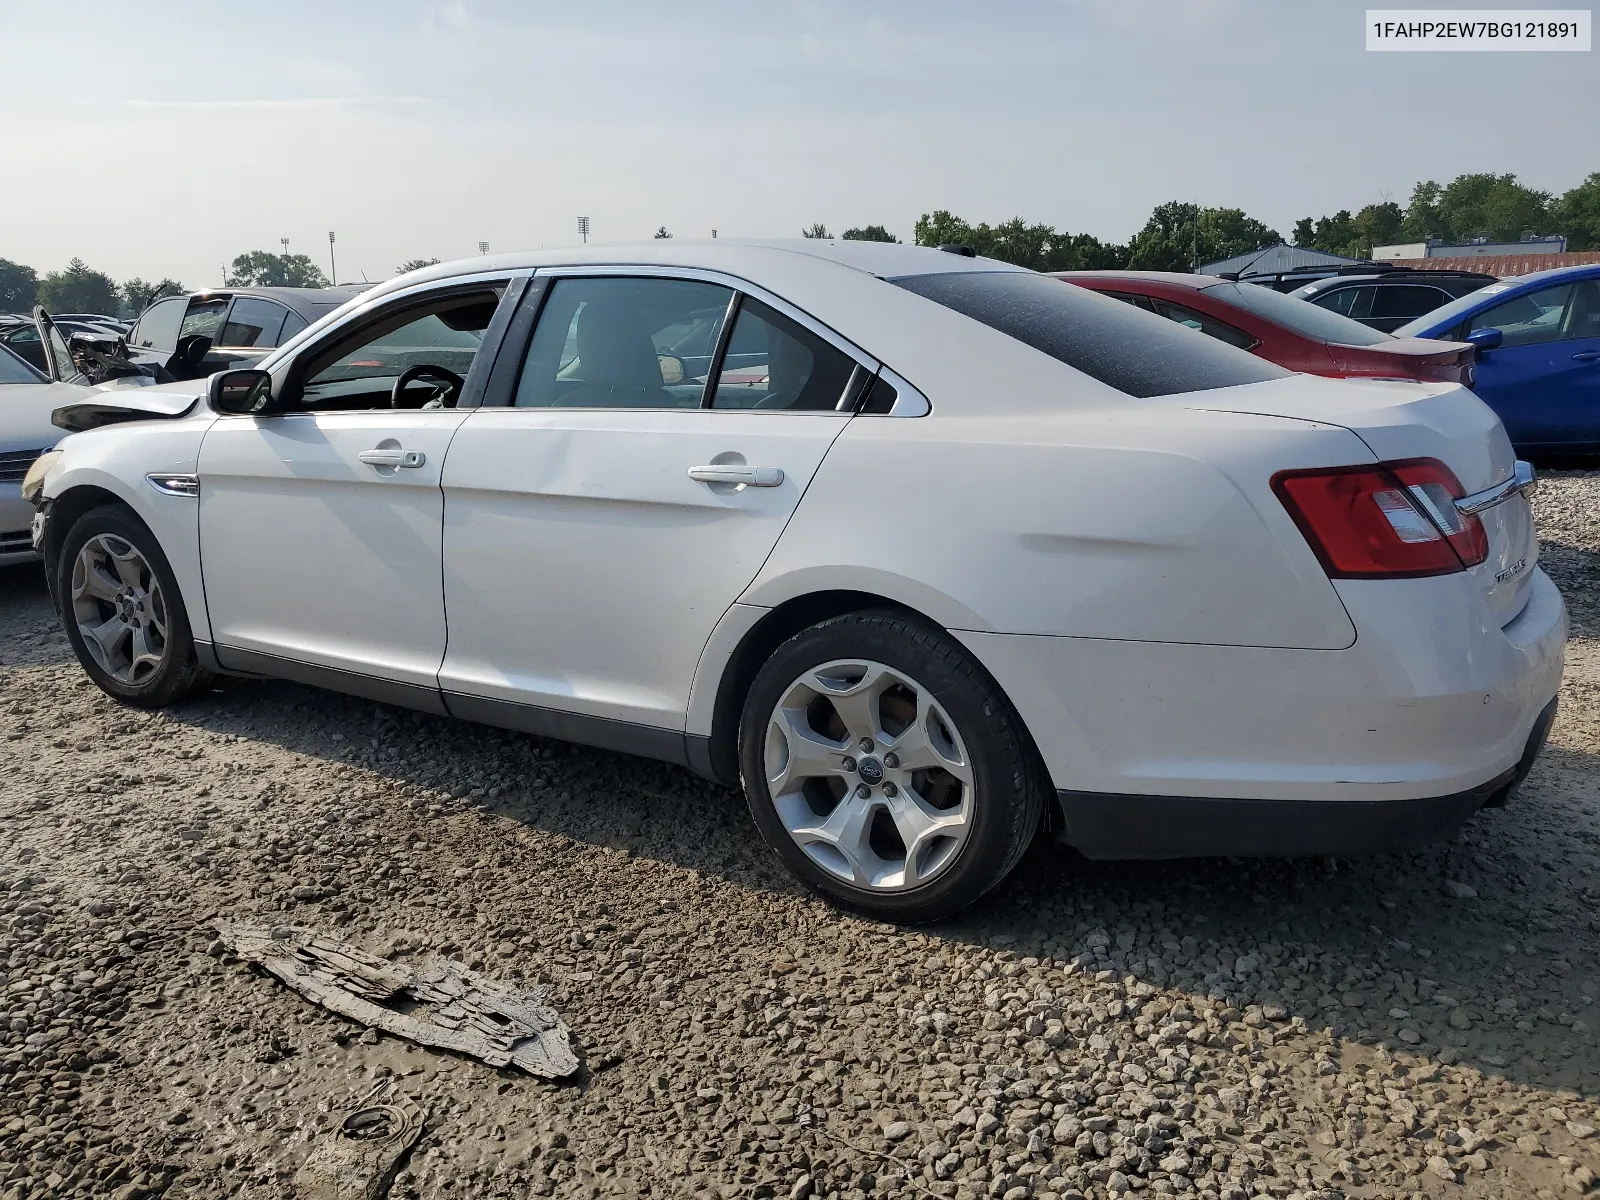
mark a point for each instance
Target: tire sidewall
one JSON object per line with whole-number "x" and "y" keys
{"x": 178, "y": 670}
{"x": 989, "y": 731}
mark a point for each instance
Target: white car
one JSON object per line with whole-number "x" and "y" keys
{"x": 958, "y": 553}
{"x": 27, "y": 398}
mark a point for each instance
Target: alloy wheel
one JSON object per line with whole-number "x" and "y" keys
{"x": 119, "y": 609}
{"x": 869, "y": 775}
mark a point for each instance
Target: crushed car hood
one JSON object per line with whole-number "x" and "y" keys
{"x": 109, "y": 405}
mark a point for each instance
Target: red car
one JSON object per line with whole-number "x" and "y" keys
{"x": 1283, "y": 329}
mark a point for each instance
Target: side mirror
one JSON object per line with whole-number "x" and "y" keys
{"x": 1485, "y": 339}
{"x": 671, "y": 368}
{"x": 239, "y": 392}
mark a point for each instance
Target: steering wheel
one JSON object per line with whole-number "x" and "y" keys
{"x": 453, "y": 384}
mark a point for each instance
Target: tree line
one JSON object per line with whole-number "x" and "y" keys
{"x": 1178, "y": 236}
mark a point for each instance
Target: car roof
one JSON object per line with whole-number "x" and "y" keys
{"x": 1176, "y": 278}
{"x": 308, "y": 302}
{"x": 1553, "y": 275}
{"x": 763, "y": 258}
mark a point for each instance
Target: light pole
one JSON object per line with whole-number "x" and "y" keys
{"x": 483, "y": 247}
{"x": 284, "y": 242}
{"x": 583, "y": 228}
{"x": 333, "y": 267}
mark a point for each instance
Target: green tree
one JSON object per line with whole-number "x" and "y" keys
{"x": 1479, "y": 205}
{"x": 1576, "y": 214}
{"x": 819, "y": 230}
{"x": 18, "y": 286}
{"x": 1352, "y": 236}
{"x": 663, "y": 232}
{"x": 261, "y": 268}
{"x": 869, "y": 233}
{"x": 414, "y": 264}
{"x": 1038, "y": 247}
{"x": 139, "y": 294}
{"x": 79, "y": 288}
{"x": 1180, "y": 236}
{"x": 1424, "y": 219}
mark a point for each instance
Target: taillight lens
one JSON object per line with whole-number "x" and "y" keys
{"x": 1392, "y": 520}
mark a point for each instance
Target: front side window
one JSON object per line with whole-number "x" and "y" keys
{"x": 1526, "y": 320}
{"x": 773, "y": 362}
{"x": 431, "y": 344}
{"x": 253, "y": 323}
{"x": 1135, "y": 352}
{"x": 203, "y": 319}
{"x": 620, "y": 342}
{"x": 1209, "y": 326}
{"x": 158, "y": 326}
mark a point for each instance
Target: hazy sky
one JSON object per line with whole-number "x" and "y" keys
{"x": 164, "y": 138}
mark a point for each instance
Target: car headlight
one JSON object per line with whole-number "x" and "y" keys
{"x": 33, "y": 481}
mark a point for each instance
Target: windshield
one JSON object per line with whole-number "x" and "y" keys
{"x": 14, "y": 369}
{"x": 1446, "y": 315}
{"x": 1303, "y": 318}
{"x": 1132, "y": 350}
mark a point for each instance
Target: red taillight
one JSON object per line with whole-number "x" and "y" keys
{"x": 1392, "y": 520}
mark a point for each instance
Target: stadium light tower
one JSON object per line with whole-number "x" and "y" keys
{"x": 483, "y": 247}
{"x": 583, "y": 228}
{"x": 333, "y": 267}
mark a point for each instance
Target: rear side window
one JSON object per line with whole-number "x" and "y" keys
{"x": 1209, "y": 326}
{"x": 253, "y": 322}
{"x": 1406, "y": 300}
{"x": 14, "y": 370}
{"x": 1134, "y": 351}
{"x": 773, "y": 362}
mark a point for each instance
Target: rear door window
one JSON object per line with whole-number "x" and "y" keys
{"x": 1136, "y": 352}
{"x": 1583, "y": 314}
{"x": 203, "y": 319}
{"x": 1209, "y": 326}
{"x": 1339, "y": 300}
{"x": 776, "y": 363}
{"x": 1406, "y": 301}
{"x": 253, "y": 322}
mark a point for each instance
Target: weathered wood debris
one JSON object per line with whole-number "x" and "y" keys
{"x": 434, "y": 1002}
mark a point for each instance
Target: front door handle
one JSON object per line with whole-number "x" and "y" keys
{"x": 392, "y": 458}
{"x": 1586, "y": 356}
{"x": 734, "y": 473}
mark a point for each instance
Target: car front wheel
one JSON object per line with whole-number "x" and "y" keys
{"x": 886, "y": 769}
{"x": 123, "y": 612}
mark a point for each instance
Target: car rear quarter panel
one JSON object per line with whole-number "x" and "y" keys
{"x": 116, "y": 459}
{"x": 1146, "y": 522}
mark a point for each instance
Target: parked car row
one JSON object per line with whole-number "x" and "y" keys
{"x": 924, "y": 551}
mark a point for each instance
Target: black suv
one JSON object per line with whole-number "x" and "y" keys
{"x": 1386, "y": 300}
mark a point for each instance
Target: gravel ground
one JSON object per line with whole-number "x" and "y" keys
{"x": 1411, "y": 1025}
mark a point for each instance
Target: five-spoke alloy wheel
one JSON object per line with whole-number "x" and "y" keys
{"x": 885, "y": 768}
{"x": 124, "y": 614}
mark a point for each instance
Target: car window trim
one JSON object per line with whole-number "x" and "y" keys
{"x": 719, "y": 353}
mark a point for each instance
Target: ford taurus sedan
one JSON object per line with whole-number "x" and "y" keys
{"x": 926, "y": 552}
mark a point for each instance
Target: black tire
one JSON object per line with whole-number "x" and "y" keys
{"x": 179, "y": 673}
{"x": 1008, "y": 777}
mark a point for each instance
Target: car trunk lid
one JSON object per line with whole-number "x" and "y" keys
{"x": 1414, "y": 420}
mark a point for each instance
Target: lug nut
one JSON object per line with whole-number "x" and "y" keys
{"x": 863, "y": 792}
{"x": 849, "y": 764}
{"x": 866, "y": 745}
{"x": 891, "y": 760}
{"x": 890, "y": 790}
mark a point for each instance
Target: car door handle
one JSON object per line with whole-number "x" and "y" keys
{"x": 392, "y": 458}
{"x": 734, "y": 473}
{"x": 1586, "y": 356}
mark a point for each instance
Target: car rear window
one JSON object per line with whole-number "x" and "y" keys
{"x": 1129, "y": 349}
{"x": 1305, "y": 319}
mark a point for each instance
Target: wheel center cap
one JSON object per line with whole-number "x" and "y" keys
{"x": 870, "y": 770}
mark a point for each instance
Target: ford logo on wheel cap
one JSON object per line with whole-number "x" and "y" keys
{"x": 870, "y": 770}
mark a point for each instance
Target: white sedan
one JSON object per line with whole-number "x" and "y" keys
{"x": 27, "y": 398}
{"x": 926, "y": 552}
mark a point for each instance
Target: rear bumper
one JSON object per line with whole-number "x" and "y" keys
{"x": 1434, "y": 699}
{"x": 1111, "y": 827}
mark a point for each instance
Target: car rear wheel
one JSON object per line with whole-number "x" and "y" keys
{"x": 123, "y": 612}
{"x": 885, "y": 768}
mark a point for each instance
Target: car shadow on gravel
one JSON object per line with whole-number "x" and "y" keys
{"x": 1389, "y": 950}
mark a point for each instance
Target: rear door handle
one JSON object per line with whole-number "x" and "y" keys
{"x": 392, "y": 458}
{"x": 1586, "y": 356}
{"x": 734, "y": 473}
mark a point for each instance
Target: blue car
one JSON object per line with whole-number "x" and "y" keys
{"x": 1538, "y": 340}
